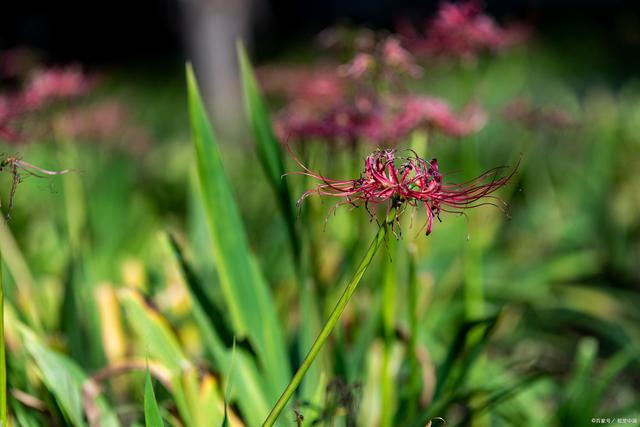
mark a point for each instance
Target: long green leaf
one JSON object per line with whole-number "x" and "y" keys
{"x": 269, "y": 151}
{"x": 245, "y": 291}
{"x": 65, "y": 380}
{"x": 160, "y": 344}
{"x": 153, "y": 330}
{"x": 247, "y": 381}
{"x": 152, "y": 417}
{"x": 3, "y": 362}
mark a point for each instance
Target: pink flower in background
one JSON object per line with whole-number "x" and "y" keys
{"x": 378, "y": 122}
{"x": 461, "y": 30}
{"x": 343, "y": 122}
{"x": 55, "y": 84}
{"x": 398, "y": 182}
{"x": 320, "y": 84}
{"x": 360, "y": 66}
{"x": 45, "y": 88}
{"x": 362, "y": 100}
{"x": 398, "y": 58}
{"x": 107, "y": 121}
{"x": 8, "y": 111}
{"x": 523, "y": 111}
{"x": 436, "y": 114}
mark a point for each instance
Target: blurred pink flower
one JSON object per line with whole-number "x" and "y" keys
{"x": 461, "y": 30}
{"x": 108, "y": 121}
{"x": 523, "y": 111}
{"x": 398, "y": 182}
{"x": 360, "y": 66}
{"x": 435, "y": 114}
{"x": 380, "y": 122}
{"x": 363, "y": 100}
{"x": 55, "y": 84}
{"x": 45, "y": 88}
{"x": 398, "y": 58}
{"x": 303, "y": 83}
{"x": 8, "y": 111}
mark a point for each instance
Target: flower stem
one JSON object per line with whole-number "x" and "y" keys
{"x": 328, "y": 327}
{"x": 389, "y": 286}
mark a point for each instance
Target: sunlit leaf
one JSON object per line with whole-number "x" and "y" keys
{"x": 65, "y": 380}
{"x": 152, "y": 415}
{"x": 268, "y": 147}
{"x": 247, "y": 296}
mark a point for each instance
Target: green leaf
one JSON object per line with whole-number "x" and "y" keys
{"x": 462, "y": 356}
{"x": 247, "y": 296}
{"x": 269, "y": 150}
{"x": 160, "y": 344}
{"x": 65, "y": 380}
{"x": 153, "y": 331}
{"x": 579, "y": 397}
{"x": 247, "y": 382}
{"x": 152, "y": 417}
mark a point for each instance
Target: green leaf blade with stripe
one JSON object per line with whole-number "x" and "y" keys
{"x": 246, "y": 293}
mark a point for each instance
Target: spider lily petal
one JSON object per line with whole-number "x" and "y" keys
{"x": 397, "y": 181}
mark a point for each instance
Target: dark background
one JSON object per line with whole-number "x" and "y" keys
{"x": 121, "y": 32}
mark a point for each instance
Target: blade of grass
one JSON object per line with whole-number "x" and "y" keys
{"x": 500, "y": 395}
{"x": 80, "y": 312}
{"x": 152, "y": 417}
{"x": 247, "y": 296}
{"x": 410, "y": 395}
{"x": 328, "y": 327}
{"x": 269, "y": 151}
{"x": 253, "y": 401}
{"x": 21, "y": 274}
{"x": 161, "y": 345}
{"x": 153, "y": 330}
{"x": 389, "y": 288}
{"x": 3, "y": 362}
{"x": 204, "y": 398}
{"x": 270, "y": 155}
{"x": 65, "y": 380}
{"x": 23, "y": 416}
{"x": 227, "y": 388}
{"x": 457, "y": 355}
{"x": 579, "y": 391}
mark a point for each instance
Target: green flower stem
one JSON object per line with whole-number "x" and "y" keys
{"x": 328, "y": 327}
{"x": 389, "y": 287}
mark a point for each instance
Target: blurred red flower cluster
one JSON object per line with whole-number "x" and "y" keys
{"x": 461, "y": 30}
{"x": 363, "y": 100}
{"x": 43, "y": 89}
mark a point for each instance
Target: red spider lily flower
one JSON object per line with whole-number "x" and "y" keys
{"x": 461, "y": 30}
{"x": 399, "y": 182}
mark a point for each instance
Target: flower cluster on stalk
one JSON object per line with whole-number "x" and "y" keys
{"x": 398, "y": 182}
